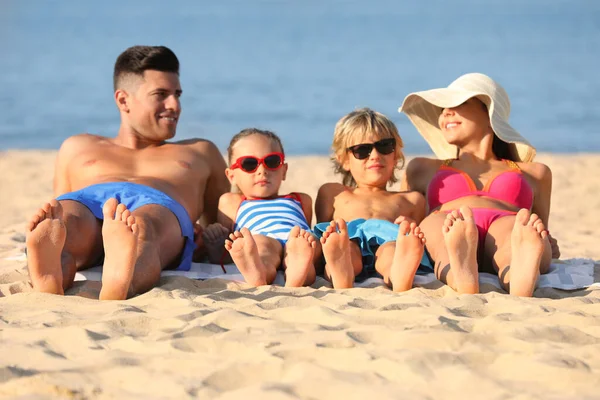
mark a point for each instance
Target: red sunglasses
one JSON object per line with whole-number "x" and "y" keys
{"x": 250, "y": 164}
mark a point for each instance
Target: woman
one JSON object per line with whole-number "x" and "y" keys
{"x": 488, "y": 202}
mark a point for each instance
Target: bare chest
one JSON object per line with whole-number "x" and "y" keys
{"x": 175, "y": 167}
{"x": 374, "y": 206}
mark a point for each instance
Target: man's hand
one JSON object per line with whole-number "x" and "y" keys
{"x": 554, "y": 246}
{"x": 214, "y": 236}
{"x": 200, "y": 251}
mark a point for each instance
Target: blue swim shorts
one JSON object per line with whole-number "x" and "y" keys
{"x": 134, "y": 196}
{"x": 369, "y": 234}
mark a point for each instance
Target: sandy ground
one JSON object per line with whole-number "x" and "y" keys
{"x": 218, "y": 339}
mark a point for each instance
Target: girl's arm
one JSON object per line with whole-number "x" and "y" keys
{"x": 307, "y": 207}
{"x": 542, "y": 197}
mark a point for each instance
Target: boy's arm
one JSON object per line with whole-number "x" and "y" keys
{"x": 324, "y": 208}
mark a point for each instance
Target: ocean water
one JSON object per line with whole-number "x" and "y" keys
{"x": 296, "y": 67}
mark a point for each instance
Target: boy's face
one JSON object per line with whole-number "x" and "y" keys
{"x": 376, "y": 169}
{"x": 263, "y": 182}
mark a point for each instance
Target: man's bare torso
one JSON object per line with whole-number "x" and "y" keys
{"x": 180, "y": 169}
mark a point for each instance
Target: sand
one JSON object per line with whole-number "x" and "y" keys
{"x": 219, "y": 339}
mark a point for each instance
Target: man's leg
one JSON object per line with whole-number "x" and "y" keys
{"x": 137, "y": 249}
{"x": 62, "y": 237}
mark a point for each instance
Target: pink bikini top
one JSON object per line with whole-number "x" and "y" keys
{"x": 450, "y": 184}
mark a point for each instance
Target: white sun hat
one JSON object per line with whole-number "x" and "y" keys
{"x": 424, "y": 108}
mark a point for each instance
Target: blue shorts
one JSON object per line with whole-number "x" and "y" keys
{"x": 134, "y": 196}
{"x": 369, "y": 234}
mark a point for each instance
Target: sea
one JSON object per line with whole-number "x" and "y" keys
{"x": 296, "y": 67}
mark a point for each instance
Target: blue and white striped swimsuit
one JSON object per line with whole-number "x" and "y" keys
{"x": 274, "y": 218}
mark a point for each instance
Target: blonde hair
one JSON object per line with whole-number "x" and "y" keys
{"x": 356, "y": 127}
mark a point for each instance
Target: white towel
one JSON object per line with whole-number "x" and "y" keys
{"x": 575, "y": 273}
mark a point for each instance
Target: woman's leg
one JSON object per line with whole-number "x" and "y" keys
{"x": 452, "y": 243}
{"x": 518, "y": 248}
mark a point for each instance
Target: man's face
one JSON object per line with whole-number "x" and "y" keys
{"x": 154, "y": 106}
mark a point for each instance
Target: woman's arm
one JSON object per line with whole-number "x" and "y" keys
{"x": 542, "y": 190}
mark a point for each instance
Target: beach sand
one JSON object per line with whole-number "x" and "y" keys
{"x": 220, "y": 339}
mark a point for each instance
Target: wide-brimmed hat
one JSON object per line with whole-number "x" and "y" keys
{"x": 424, "y": 108}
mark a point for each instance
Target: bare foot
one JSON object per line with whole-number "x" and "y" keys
{"x": 244, "y": 252}
{"x": 527, "y": 246}
{"x": 461, "y": 237}
{"x": 407, "y": 256}
{"x": 336, "y": 249}
{"x": 46, "y": 235}
{"x": 299, "y": 253}
{"x": 120, "y": 237}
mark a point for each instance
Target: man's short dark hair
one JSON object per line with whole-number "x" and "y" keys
{"x": 137, "y": 59}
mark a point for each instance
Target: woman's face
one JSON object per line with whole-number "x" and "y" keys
{"x": 465, "y": 123}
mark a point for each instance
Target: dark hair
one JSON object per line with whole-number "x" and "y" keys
{"x": 137, "y": 59}
{"x": 249, "y": 132}
{"x": 502, "y": 150}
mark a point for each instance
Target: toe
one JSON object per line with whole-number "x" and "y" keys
{"x": 125, "y": 216}
{"x": 522, "y": 217}
{"x": 342, "y": 225}
{"x": 119, "y": 212}
{"x": 404, "y": 228}
{"x": 466, "y": 212}
{"x": 295, "y": 232}
{"x": 109, "y": 208}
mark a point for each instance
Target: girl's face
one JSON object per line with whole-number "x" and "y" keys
{"x": 371, "y": 161}
{"x": 265, "y": 180}
{"x": 464, "y": 123}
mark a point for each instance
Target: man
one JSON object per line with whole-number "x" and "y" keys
{"x": 132, "y": 198}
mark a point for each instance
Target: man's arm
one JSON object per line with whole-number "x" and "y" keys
{"x": 216, "y": 185}
{"x": 69, "y": 149}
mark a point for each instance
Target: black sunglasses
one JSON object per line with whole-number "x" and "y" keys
{"x": 363, "y": 150}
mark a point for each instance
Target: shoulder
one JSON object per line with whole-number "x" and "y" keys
{"x": 420, "y": 165}
{"x": 420, "y": 171}
{"x": 304, "y": 198}
{"x": 230, "y": 199}
{"x": 538, "y": 171}
{"x": 202, "y": 145}
{"x": 76, "y": 144}
{"x": 205, "y": 151}
{"x": 331, "y": 189}
{"x": 412, "y": 197}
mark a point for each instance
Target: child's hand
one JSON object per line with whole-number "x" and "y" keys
{"x": 214, "y": 237}
{"x": 401, "y": 218}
